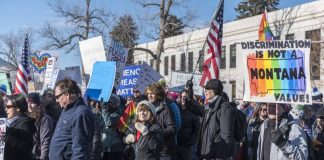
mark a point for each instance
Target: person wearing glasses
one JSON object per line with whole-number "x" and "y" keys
{"x": 253, "y": 130}
{"x": 20, "y": 129}
{"x": 73, "y": 135}
{"x": 280, "y": 136}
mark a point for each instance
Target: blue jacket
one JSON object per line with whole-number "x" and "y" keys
{"x": 73, "y": 134}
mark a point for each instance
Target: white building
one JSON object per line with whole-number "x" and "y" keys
{"x": 299, "y": 22}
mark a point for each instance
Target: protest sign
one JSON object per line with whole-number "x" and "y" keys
{"x": 117, "y": 53}
{"x": 77, "y": 73}
{"x": 39, "y": 61}
{"x": 277, "y": 71}
{"x": 101, "y": 81}
{"x": 128, "y": 80}
{"x": 147, "y": 76}
{"x": 92, "y": 50}
{"x": 181, "y": 78}
{"x": 2, "y": 134}
{"x": 4, "y": 80}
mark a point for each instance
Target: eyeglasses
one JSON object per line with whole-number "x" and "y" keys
{"x": 58, "y": 96}
{"x": 264, "y": 110}
{"x": 9, "y": 106}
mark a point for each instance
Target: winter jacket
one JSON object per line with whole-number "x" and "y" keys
{"x": 176, "y": 113}
{"x": 166, "y": 120}
{"x": 19, "y": 139}
{"x": 215, "y": 139}
{"x": 253, "y": 132}
{"x": 97, "y": 144}
{"x": 295, "y": 148}
{"x": 148, "y": 147}
{"x": 42, "y": 137}
{"x": 320, "y": 153}
{"x": 73, "y": 134}
{"x": 111, "y": 138}
{"x": 190, "y": 124}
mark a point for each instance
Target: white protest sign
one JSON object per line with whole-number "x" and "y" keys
{"x": 2, "y": 134}
{"x": 181, "y": 78}
{"x": 147, "y": 76}
{"x": 92, "y": 50}
{"x": 277, "y": 71}
{"x": 117, "y": 53}
{"x": 49, "y": 70}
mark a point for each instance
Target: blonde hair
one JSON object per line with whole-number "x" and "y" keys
{"x": 141, "y": 107}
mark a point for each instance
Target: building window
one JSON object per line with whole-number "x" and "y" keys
{"x": 173, "y": 61}
{"x": 151, "y": 63}
{"x": 233, "y": 56}
{"x": 315, "y": 35}
{"x": 233, "y": 88}
{"x": 166, "y": 65}
{"x": 223, "y": 58}
{"x": 183, "y": 62}
{"x": 290, "y": 36}
{"x": 276, "y": 38}
{"x": 201, "y": 61}
{"x": 190, "y": 61}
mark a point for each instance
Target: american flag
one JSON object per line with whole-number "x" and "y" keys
{"x": 21, "y": 86}
{"x": 214, "y": 41}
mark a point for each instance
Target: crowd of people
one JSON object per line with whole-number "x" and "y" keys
{"x": 60, "y": 125}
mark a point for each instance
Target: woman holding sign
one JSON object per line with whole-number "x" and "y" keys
{"x": 19, "y": 132}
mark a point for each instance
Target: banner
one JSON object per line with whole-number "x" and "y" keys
{"x": 181, "y": 78}
{"x": 101, "y": 81}
{"x": 92, "y": 50}
{"x": 4, "y": 80}
{"x": 39, "y": 61}
{"x": 117, "y": 53}
{"x": 277, "y": 71}
{"x": 2, "y": 134}
{"x": 128, "y": 80}
{"x": 147, "y": 76}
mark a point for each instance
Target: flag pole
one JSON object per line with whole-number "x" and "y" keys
{"x": 203, "y": 48}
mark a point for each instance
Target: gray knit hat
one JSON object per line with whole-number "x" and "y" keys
{"x": 149, "y": 105}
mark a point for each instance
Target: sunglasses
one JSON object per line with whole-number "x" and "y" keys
{"x": 58, "y": 96}
{"x": 9, "y": 106}
{"x": 264, "y": 110}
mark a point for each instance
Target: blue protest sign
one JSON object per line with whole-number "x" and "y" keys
{"x": 128, "y": 80}
{"x": 101, "y": 81}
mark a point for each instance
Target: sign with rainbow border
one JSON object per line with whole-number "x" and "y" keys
{"x": 277, "y": 71}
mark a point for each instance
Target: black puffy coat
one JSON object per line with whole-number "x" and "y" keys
{"x": 19, "y": 139}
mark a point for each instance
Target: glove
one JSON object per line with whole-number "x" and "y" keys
{"x": 142, "y": 128}
{"x": 277, "y": 138}
{"x": 189, "y": 84}
{"x": 130, "y": 139}
{"x": 316, "y": 144}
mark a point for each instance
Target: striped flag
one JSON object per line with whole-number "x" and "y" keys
{"x": 21, "y": 86}
{"x": 214, "y": 41}
{"x": 127, "y": 117}
{"x": 265, "y": 33}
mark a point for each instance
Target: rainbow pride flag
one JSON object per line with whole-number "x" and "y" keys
{"x": 265, "y": 33}
{"x": 127, "y": 117}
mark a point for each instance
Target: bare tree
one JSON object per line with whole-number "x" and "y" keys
{"x": 285, "y": 20}
{"x": 159, "y": 22}
{"x": 81, "y": 22}
{"x": 12, "y": 45}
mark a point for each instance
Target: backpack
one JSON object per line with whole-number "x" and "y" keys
{"x": 310, "y": 149}
{"x": 240, "y": 122}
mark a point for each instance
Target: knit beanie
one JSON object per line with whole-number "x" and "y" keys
{"x": 216, "y": 85}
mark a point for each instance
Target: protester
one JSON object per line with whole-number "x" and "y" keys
{"x": 187, "y": 136}
{"x": 2, "y": 108}
{"x": 165, "y": 118}
{"x": 52, "y": 108}
{"x": 20, "y": 129}
{"x": 111, "y": 138}
{"x": 147, "y": 133}
{"x": 73, "y": 136}
{"x": 138, "y": 96}
{"x": 44, "y": 127}
{"x": 216, "y": 139}
{"x": 318, "y": 142}
{"x": 286, "y": 141}
{"x": 253, "y": 130}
